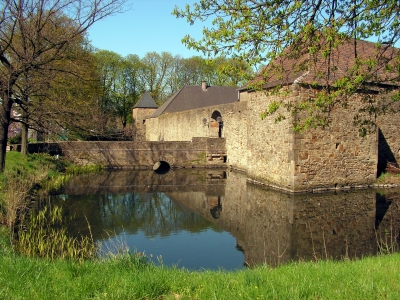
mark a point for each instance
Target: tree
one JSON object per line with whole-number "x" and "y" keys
{"x": 216, "y": 71}
{"x": 155, "y": 71}
{"x": 67, "y": 105}
{"x": 35, "y": 35}
{"x": 58, "y": 99}
{"x": 297, "y": 35}
{"x": 120, "y": 84}
{"x": 109, "y": 68}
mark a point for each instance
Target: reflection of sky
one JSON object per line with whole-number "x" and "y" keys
{"x": 206, "y": 249}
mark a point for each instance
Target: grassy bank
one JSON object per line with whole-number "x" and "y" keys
{"x": 129, "y": 277}
{"x": 38, "y": 233}
{"x": 24, "y": 174}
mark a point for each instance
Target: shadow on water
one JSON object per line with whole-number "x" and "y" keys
{"x": 211, "y": 218}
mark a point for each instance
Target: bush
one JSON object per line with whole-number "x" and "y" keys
{"x": 15, "y": 139}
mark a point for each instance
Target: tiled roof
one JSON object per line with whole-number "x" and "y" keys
{"x": 146, "y": 101}
{"x": 192, "y": 97}
{"x": 313, "y": 69}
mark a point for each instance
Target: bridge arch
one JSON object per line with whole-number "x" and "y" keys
{"x": 161, "y": 167}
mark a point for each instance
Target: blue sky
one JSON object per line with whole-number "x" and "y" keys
{"x": 148, "y": 26}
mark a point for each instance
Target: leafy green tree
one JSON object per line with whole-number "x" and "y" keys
{"x": 155, "y": 71}
{"x": 109, "y": 67}
{"x": 297, "y": 35}
{"x": 217, "y": 71}
{"x": 130, "y": 88}
{"x": 31, "y": 41}
{"x": 67, "y": 106}
{"x": 120, "y": 85}
{"x": 56, "y": 104}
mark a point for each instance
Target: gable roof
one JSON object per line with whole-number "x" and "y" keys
{"x": 146, "y": 101}
{"x": 192, "y": 97}
{"x": 313, "y": 69}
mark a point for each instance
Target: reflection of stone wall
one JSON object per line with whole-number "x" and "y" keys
{"x": 316, "y": 226}
{"x": 388, "y": 220}
{"x": 273, "y": 227}
{"x": 147, "y": 181}
{"x": 313, "y": 226}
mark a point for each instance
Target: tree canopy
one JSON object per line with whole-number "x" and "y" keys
{"x": 34, "y": 37}
{"x": 303, "y": 33}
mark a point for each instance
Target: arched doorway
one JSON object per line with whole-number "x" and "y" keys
{"x": 216, "y": 122}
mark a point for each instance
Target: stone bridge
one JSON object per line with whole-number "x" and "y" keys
{"x": 200, "y": 152}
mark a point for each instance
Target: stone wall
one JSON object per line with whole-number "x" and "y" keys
{"x": 199, "y": 152}
{"x": 335, "y": 157}
{"x": 185, "y": 125}
{"x": 389, "y": 138}
{"x": 272, "y": 153}
{"x": 139, "y": 116}
{"x": 269, "y": 144}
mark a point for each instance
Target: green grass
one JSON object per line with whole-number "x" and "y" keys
{"x": 23, "y": 176}
{"x": 388, "y": 178}
{"x": 130, "y": 277}
{"x": 39, "y": 169}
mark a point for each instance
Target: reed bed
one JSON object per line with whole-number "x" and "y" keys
{"x": 45, "y": 236}
{"x": 42, "y": 233}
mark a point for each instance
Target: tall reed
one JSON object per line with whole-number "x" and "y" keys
{"x": 17, "y": 188}
{"x": 45, "y": 236}
{"x": 23, "y": 177}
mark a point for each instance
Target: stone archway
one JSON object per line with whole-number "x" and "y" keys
{"x": 216, "y": 124}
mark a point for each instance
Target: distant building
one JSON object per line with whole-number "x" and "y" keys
{"x": 190, "y": 98}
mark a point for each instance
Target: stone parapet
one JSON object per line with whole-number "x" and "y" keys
{"x": 140, "y": 154}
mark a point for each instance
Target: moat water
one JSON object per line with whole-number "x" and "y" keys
{"x": 214, "y": 219}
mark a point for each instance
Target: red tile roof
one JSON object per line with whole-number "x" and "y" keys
{"x": 313, "y": 69}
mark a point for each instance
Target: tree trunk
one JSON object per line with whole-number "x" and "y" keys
{"x": 5, "y": 116}
{"x": 24, "y": 136}
{"x": 24, "y": 124}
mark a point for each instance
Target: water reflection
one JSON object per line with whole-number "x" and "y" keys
{"x": 210, "y": 218}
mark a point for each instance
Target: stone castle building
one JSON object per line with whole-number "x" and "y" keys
{"x": 144, "y": 108}
{"x": 271, "y": 152}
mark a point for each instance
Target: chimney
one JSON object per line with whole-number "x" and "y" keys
{"x": 204, "y": 85}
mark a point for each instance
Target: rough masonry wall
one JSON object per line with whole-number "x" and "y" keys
{"x": 200, "y": 152}
{"x": 389, "y": 138}
{"x": 184, "y": 126}
{"x": 139, "y": 116}
{"x": 269, "y": 144}
{"x": 334, "y": 157}
{"x": 272, "y": 153}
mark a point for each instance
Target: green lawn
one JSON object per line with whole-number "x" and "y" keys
{"x": 130, "y": 277}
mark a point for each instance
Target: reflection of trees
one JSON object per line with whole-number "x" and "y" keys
{"x": 152, "y": 213}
